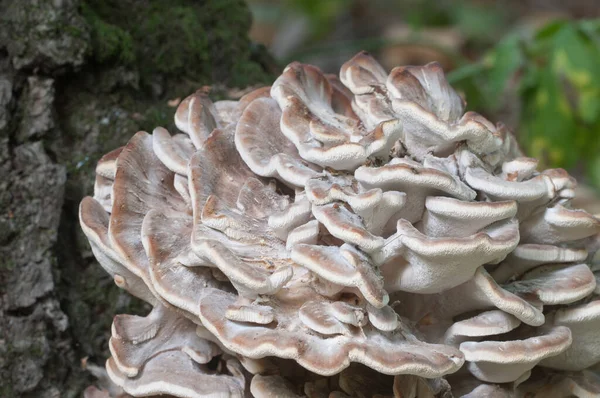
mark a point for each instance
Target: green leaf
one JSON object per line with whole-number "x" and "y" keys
{"x": 505, "y": 60}
{"x": 576, "y": 60}
{"x": 549, "y": 123}
{"x": 550, "y": 29}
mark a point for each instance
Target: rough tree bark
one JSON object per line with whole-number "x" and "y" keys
{"x": 78, "y": 78}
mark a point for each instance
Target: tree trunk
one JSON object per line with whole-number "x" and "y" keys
{"x": 77, "y": 79}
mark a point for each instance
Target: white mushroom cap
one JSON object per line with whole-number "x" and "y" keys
{"x": 583, "y": 320}
{"x": 488, "y": 323}
{"x": 432, "y": 265}
{"x": 449, "y": 217}
{"x": 507, "y": 361}
{"x": 557, "y": 225}
{"x": 528, "y": 256}
{"x": 174, "y": 373}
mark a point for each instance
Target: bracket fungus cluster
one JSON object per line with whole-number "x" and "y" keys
{"x": 359, "y": 236}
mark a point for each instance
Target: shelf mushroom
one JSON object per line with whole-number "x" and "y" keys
{"x": 342, "y": 237}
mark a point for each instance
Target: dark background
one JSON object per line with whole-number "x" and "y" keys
{"x": 79, "y": 77}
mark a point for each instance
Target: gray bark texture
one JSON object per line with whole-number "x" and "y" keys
{"x": 77, "y": 79}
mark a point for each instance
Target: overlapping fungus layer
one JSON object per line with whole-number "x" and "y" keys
{"x": 360, "y": 236}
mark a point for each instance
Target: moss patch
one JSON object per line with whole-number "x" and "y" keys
{"x": 199, "y": 41}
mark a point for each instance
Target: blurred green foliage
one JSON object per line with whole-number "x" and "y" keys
{"x": 320, "y": 13}
{"x": 553, "y": 74}
{"x": 479, "y": 23}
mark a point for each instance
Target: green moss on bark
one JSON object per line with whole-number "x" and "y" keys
{"x": 201, "y": 41}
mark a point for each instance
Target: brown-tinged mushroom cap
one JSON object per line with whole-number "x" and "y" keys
{"x": 362, "y": 74}
{"x": 485, "y": 292}
{"x": 107, "y": 165}
{"x": 135, "y": 196}
{"x": 249, "y": 278}
{"x": 365, "y": 78}
{"x": 560, "y": 191}
{"x": 175, "y": 373}
{"x": 197, "y": 117}
{"x": 321, "y": 135}
{"x": 427, "y": 87}
{"x": 174, "y": 151}
{"x": 105, "y": 177}
{"x": 506, "y": 361}
{"x": 167, "y": 246}
{"x": 389, "y": 353}
{"x": 217, "y": 169}
{"x": 94, "y": 221}
{"x": 103, "y": 192}
{"x": 341, "y": 98}
{"x": 266, "y": 151}
{"x": 229, "y": 199}
{"x": 435, "y": 130}
{"x": 136, "y": 339}
{"x": 584, "y": 322}
{"x": 309, "y": 122}
{"x": 228, "y": 111}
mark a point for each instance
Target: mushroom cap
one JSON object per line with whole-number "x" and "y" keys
{"x": 583, "y": 320}
{"x": 174, "y": 373}
{"x": 351, "y": 236}
{"x": 506, "y": 361}
{"x": 388, "y": 353}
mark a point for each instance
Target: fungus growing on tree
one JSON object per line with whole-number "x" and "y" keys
{"x": 354, "y": 237}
